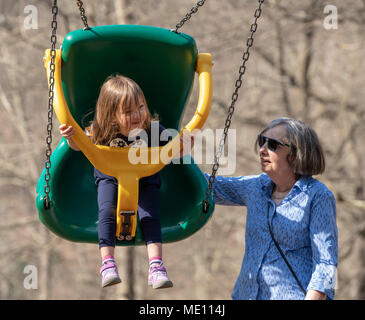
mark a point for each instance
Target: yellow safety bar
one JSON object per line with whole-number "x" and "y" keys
{"x": 115, "y": 161}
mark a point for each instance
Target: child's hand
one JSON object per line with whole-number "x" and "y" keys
{"x": 68, "y": 132}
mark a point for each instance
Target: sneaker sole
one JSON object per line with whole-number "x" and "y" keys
{"x": 111, "y": 282}
{"x": 161, "y": 285}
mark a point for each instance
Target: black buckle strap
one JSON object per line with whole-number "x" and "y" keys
{"x": 126, "y": 225}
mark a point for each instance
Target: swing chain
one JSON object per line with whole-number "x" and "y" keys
{"x": 231, "y": 109}
{"x": 82, "y": 14}
{"x": 47, "y": 176}
{"x": 188, "y": 15}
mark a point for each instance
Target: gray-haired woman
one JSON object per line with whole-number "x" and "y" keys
{"x": 291, "y": 232}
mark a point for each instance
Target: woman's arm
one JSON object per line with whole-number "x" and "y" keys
{"x": 67, "y": 133}
{"x": 226, "y": 190}
{"x": 324, "y": 243}
{"x": 234, "y": 191}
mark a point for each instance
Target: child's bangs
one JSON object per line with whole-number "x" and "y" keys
{"x": 132, "y": 98}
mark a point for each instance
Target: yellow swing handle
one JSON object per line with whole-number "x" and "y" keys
{"x": 115, "y": 161}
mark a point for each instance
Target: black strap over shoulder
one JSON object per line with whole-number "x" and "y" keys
{"x": 282, "y": 254}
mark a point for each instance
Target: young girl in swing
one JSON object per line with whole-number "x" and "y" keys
{"x": 121, "y": 108}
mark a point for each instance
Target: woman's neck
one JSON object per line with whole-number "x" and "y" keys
{"x": 284, "y": 184}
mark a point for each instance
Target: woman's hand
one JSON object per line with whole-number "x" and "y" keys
{"x": 187, "y": 141}
{"x": 315, "y": 295}
{"x": 186, "y": 144}
{"x": 67, "y": 132}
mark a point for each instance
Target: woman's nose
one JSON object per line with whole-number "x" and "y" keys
{"x": 263, "y": 148}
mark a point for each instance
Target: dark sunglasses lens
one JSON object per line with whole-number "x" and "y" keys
{"x": 261, "y": 141}
{"x": 272, "y": 144}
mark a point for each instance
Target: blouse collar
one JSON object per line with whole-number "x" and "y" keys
{"x": 267, "y": 184}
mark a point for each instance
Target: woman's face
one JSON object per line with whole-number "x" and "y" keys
{"x": 275, "y": 162}
{"x": 133, "y": 117}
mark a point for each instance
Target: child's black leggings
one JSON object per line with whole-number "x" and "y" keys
{"x": 107, "y": 187}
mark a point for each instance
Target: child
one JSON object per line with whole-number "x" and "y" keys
{"x": 121, "y": 108}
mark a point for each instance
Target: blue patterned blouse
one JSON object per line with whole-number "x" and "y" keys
{"x": 304, "y": 225}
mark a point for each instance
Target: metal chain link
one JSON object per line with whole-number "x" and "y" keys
{"x": 188, "y": 15}
{"x": 47, "y": 176}
{"x": 231, "y": 109}
{"x": 82, "y": 14}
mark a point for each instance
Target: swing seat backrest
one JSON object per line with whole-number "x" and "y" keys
{"x": 160, "y": 61}
{"x": 163, "y": 64}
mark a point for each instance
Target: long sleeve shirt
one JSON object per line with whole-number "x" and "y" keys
{"x": 304, "y": 225}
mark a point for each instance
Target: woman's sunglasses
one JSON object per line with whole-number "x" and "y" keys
{"x": 272, "y": 144}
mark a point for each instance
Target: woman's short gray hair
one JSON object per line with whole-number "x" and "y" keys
{"x": 306, "y": 155}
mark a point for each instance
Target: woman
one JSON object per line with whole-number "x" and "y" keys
{"x": 291, "y": 231}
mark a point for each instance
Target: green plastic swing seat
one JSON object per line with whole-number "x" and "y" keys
{"x": 163, "y": 64}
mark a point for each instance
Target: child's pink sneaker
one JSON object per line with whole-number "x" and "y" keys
{"x": 158, "y": 279}
{"x": 109, "y": 274}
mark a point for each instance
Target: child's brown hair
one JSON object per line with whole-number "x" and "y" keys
{"x": 117, "y": 94}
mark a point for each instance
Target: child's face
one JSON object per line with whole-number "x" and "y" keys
{"x": 133, "y": 117}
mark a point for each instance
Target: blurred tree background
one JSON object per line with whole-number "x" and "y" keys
{"x": 299, "y": 67}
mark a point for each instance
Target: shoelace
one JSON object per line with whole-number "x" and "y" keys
{"x": 159, "y": 269}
